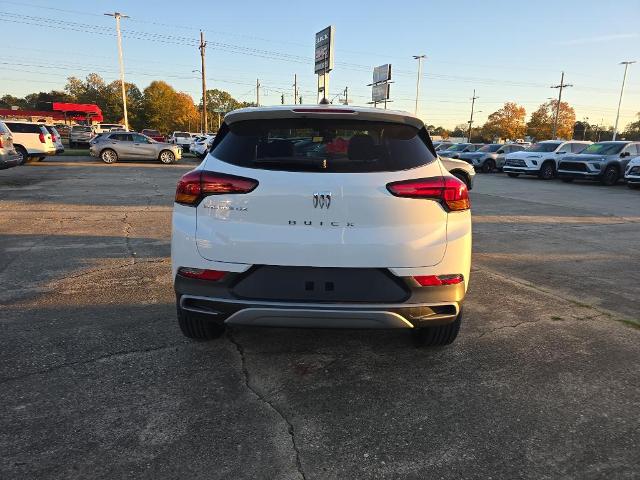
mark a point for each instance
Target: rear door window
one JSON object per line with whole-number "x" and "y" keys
{"x": 323, "y": 145}
{"x": 24, "y": 127}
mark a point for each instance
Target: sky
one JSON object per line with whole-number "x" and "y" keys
{"x": 505, "y": 50}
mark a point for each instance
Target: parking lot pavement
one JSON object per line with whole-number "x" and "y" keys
{"x": 97, "y": 382}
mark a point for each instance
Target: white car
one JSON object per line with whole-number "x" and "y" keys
{"x": 183, "y": 139}
{"x": 541, "y": 158}
{"x": 55, "y": 138}
{"x": 201, "y": 144}
{"x": 321, "y": 216}
{"x": 632, "y": 173}
{"x": 31, "y": 139}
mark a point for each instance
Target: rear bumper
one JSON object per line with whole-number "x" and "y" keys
{"x": 426, "y": 306}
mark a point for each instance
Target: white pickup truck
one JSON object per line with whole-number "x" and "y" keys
{"x": 183, "y": 139}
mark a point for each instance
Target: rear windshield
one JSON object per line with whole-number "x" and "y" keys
{"x": 24, "y": 127}
{"x": 323, "y": 145}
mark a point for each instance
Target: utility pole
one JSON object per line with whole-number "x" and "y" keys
{"x": 419, "y": 58}
{"x": 473, "y": 102}
{"x": 295, "y": 88}
{"x": 202, "y": 47}
{"x": 624, "y": 78}
{"x": 118, "y": 16}
{"x": 257, "y": 92}
{"x": 555, "y": 121}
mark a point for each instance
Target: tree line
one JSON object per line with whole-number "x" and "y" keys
{"x": 508, "y": 123}
{"x": 159, "y": 106}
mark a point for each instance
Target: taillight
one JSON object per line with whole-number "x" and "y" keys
{"x": 438, "y": 280}
{"x": 201, "y": 273}
{"x": 53, "y": 138}
{"x": 197, "y": 184}
{"x": 41, "y": 137}
{"x": 449, "y": 191}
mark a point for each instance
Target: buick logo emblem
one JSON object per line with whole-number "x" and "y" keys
{"x": 322, "y": 200}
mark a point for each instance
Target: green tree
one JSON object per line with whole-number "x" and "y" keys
{"x": 8, "y": 101}
{"x": 632, "y": 132}
{"x": 540, "y": 125}
{"x": 166, "y": 110}
{"x": 220, "y": 102}
{"x": 506, "y": 123}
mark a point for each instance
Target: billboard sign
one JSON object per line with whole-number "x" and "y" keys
{"x": 380, "y": 92}
{"x": 382, "y": 73}
{"x": 324, "y": 50}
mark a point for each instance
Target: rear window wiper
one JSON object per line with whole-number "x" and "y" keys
{"x": 320, "y": 163}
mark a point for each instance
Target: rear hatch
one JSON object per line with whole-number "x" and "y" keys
{"x": 321, "y": 198}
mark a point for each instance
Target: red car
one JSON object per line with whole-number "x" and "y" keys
{"x": 155, "y": 134}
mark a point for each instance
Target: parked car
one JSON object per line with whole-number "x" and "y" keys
{"x": 358, "y": 233}
{"x": 8, "y": 155}
{"x": 155, "y": 134}
{"x": 108, "y": 127}
{"x": 442, "y": 145}
{"x": 56, "y": 138}
{"x": 455, "y": 150}
{"x": 80, "y": 135}
{"x": 114, "y": 146}
{"x": 460, "y": 169}
{"x": 506, "y": 149}
{"x": 541, "y": 158}
{"x": 632, "y": 173}
{"x": 486, "y": 157}
{"x": 184, "y": 139}
{"x": 31, "y": 140}
{"x": 201, "y": 144}
{"x": 602, "y": 161}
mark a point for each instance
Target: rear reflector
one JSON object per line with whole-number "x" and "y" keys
{"x": 201, "y": 274}
{"x": 438, "y": 280}
{"x": 197, "y": 184}
{"x": 449, "y": 191}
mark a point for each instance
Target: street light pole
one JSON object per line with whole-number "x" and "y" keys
{"x": 419, "y": 58}
{"x": 624, "y": 78}
{"x": 118, "y": 16}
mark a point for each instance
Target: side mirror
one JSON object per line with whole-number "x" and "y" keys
{"x": 625, "y": 154}
{"x": 500, "y": 151}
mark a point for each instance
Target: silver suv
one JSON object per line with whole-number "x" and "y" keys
{"x": 602, "y": 161}
{"x": 8, "y": 155}
{"x": 489, "y": 157}
{"x": 80, "y": 134}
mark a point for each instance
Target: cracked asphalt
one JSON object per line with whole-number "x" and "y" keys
{"x": 96, "y": 380}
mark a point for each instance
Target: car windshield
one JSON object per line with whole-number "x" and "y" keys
{"x": 605, "y": 148}
{"x": 323, "y": 145}
{"x": 489, "y": 148}
{"x": 543, "y": 147}
{"x": 458, "y": 147}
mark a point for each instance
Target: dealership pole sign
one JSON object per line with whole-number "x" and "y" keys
{"x": 324, "y": 58}
{"x": 381, "y": 85}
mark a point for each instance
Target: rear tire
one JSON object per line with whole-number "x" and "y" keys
{"x": 23, "y": 153}
{"x": 108, "y": 156}
{"x": 513, "y": 175}
{"x": 610, "y": 176}
{"x": 196, "y": 327}
{"x": 547, "y": 171}
{"x": 489, "y": 166}
{"x": 438, "y": 336}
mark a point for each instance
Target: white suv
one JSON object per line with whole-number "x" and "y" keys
{"x": 31, "y": 140}
{"x": 541, "y": 158}
{"x": 321, "y": 216}
{"x": 183, "y": 139}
